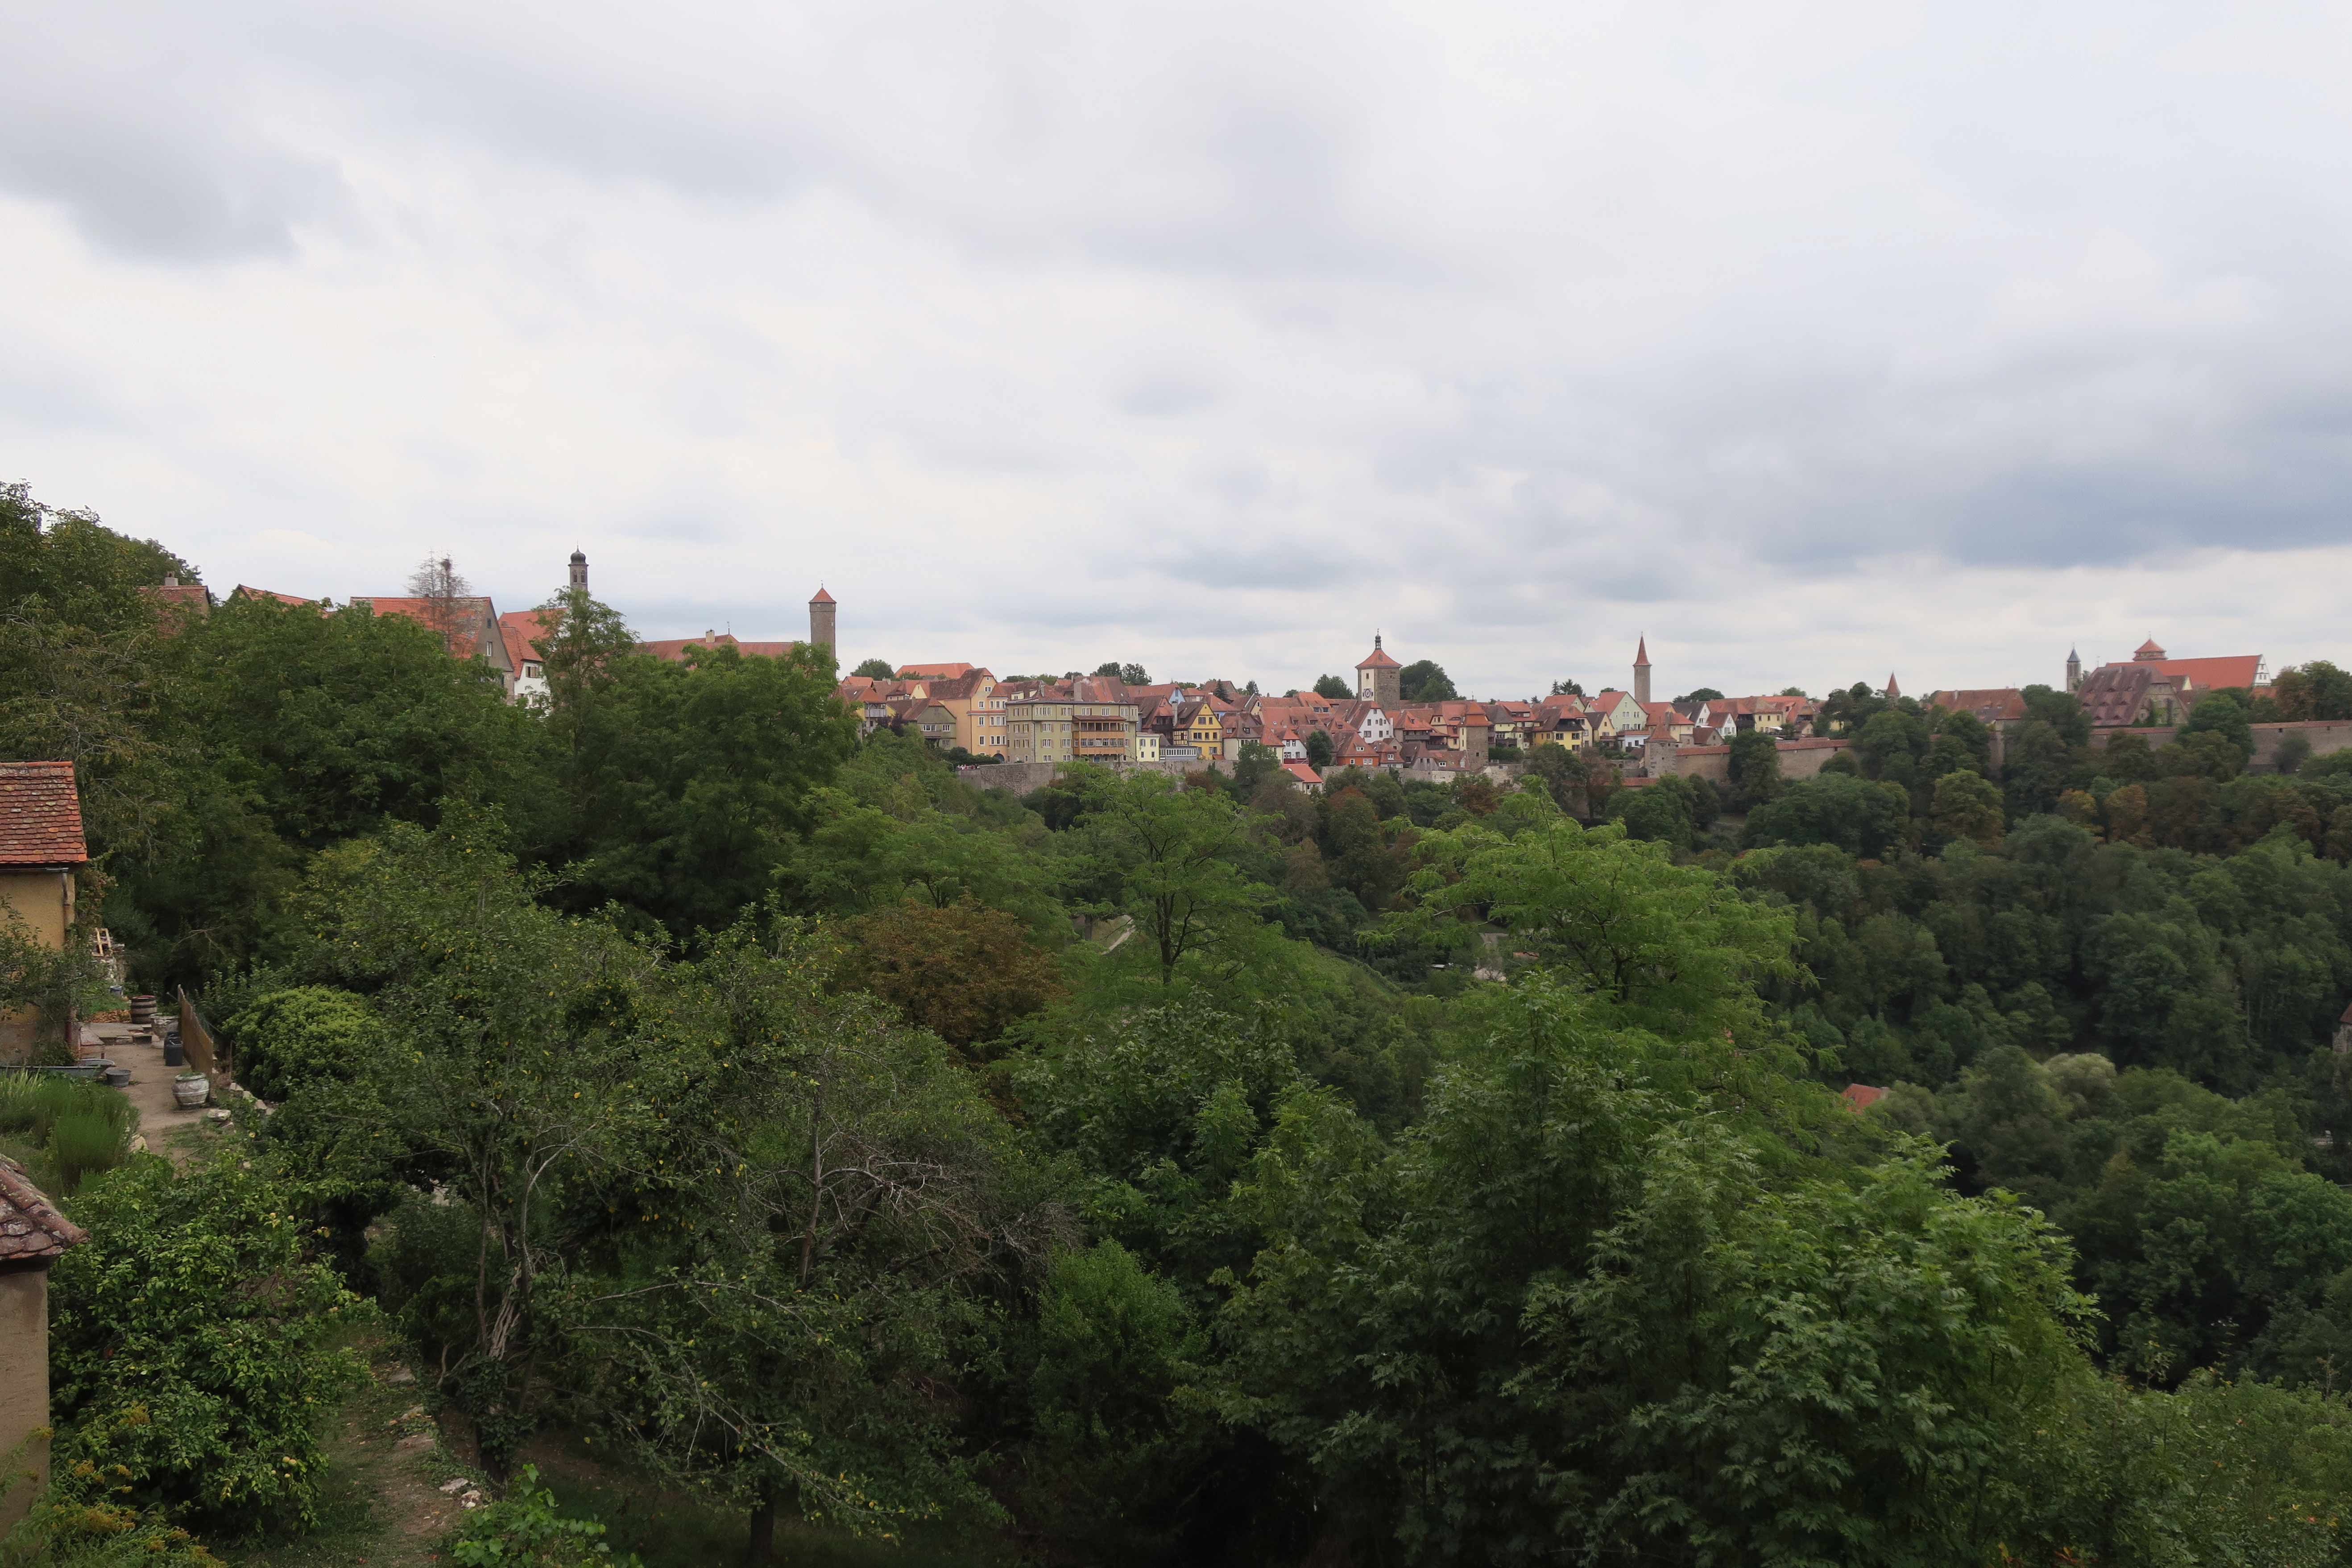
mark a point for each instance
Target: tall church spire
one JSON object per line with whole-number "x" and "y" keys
{"x": 1642, "y": 672}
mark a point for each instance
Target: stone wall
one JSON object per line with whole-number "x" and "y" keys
{"x": 2325, "y": 735}
{"x": 1798, "y": 760}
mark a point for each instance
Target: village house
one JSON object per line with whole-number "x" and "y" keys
{"x": 2153, "y": 688}
{"x": 41, "y": 848}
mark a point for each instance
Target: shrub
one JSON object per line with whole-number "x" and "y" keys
{"x": 523, "y": 1529}
{"x": 288, "y": 1040}
{"x": 62, "y": 1534}
{"x": 67, "y": 1129}
{"x": 190, "y": 1349}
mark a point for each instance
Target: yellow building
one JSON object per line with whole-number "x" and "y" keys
{"x": 40, "y": 848}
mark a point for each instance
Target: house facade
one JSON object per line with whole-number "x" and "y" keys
{"x": 41, "y": 848}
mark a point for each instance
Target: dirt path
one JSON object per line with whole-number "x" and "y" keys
{"x": 380, "y": 1503}
{"x": 170, "y": 1132}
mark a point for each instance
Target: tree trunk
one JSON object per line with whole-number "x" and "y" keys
{"x": 761, "y": 1550}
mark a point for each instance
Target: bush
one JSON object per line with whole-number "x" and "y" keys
{"x": 190, "y": 1349}
{"x": 287, "y": 1039}
{"x": 523, "y": 1529}
{"x": 62, "y": 1534}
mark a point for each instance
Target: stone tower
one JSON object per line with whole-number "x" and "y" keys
{"x": 1378, "y": 677}
{"x": 580, "y": 571}
{"x": 2074, "y": 670}
{"x": 821, "y": 613}
{"x": 1642, "y": 673}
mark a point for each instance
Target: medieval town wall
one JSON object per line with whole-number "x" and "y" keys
{"x": 2325, "y": 735}
{"x": 1798, "y": 760}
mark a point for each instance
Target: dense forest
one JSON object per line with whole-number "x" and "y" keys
{"x": 1199, "y": 1171}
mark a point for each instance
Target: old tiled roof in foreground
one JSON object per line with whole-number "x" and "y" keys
{"x": 40, "y": 815}
{"x": 30, "y": 1225}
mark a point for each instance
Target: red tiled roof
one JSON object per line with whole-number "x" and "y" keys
{"x": 242, "y": 592}
{"x": 1378, "y": 659}
{"x": 1862, "y": 1096}
{"x": 1641, "y": 653}
{"x": 455, "y": 620}
{"x": 1992, "y": 703}
{"x": 523, "y": 631}
{"x": 40, "y": 815}
{"x": 2211, "y": 674}
{"x": 30, "y": 1225}
{"x": 187, "y": 595}
{"x": 934, "y": 671}
{"x": 2147, "y": 650}
{"x": 822, "y": 598}
{"x": 674, "y": 649}
{"x": 1305, "y": 774}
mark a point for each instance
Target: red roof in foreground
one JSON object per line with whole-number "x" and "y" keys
{"x": 40, "y": 815}
{"x": 30, "y": 1225}
{"x": 244, "y": 591}
{"x": 1861, "y": 1097}
{"x": 1304, "y": 772}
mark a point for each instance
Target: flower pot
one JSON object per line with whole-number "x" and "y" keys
{"x": 191, "y": 1089}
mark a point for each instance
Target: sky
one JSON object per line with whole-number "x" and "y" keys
{"x": 1811, "y": 341}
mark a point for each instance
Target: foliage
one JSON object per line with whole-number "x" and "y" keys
{"x": 192, "y": 1348}
{"x": 289, "y": 1041}
{"x": 2314, "y": 690}
{"x": 1425, "y": 680}
{"x": 69, "y": 1130}
{"x": 62, "y": 1532}
{"x": 965, "y": 972}
{"x": 877, "y": 669}
{"x": 1333, "y": 687}
{"x": 523, "y": 1529}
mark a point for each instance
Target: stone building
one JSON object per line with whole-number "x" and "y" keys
{"x": 822, "y": 610}
{"x": 1642, "y": 673}
{"x": 33, "y": 1236}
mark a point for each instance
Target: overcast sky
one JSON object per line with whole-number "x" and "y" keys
{"x": 1810, "y": 340}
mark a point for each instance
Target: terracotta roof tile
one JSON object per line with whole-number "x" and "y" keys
{"x": 40, "y": 815}
{"x": 30, "y": 1225}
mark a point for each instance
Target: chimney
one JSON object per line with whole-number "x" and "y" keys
{"x": 171, "y": 579}
{"x": 822, "y": 610}
{"x": 580, "y": 571}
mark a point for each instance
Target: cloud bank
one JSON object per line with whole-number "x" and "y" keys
{"x": 1809, "y": 344}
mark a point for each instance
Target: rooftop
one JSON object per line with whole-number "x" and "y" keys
{"x": 30, "y": 1225}
{"x": 40, "y": 815}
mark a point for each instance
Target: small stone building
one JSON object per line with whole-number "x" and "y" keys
{"x": 33, "y": 1237}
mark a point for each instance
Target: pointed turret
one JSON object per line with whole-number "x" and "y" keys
{"x": 1376, "y": 677}
{"x": 1642, "y": 672}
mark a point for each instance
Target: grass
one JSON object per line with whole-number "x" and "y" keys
{"x": 62, "y": 1130}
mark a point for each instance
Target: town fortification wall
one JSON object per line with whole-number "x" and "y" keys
{"x": 2325, "y": 735}
{"x": 1798, "y": 760}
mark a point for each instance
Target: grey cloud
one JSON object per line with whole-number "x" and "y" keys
{"x": 1164, "y": 397}
{"x": 158, "y": 180}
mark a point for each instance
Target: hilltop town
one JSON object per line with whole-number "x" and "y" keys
{"x": 1116, "y": 716}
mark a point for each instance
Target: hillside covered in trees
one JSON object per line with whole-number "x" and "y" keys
{"x": 1196, "y": 1171}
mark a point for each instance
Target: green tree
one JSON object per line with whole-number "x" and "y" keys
{"x": 2314, "y": 690}
{"x": 2224, "y": 716}
{"x": 1862, "y": 818}
{"x": 193, "y": 1345}
{"x": 1704, "y": 694}
{"x": 1968, "y": 805}
{"x": 1318, "y": 750}
{"x": 1334, "y": 686}
{"x": 1173, "y": 853}
{"x": 691, "y": 782}
{"x": 1755, "y": 768}
{"x": 1425, "y": 680}
{"x": 877, "y": 669}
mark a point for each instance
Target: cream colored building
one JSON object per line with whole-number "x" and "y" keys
{"x": 1089, "y": 719}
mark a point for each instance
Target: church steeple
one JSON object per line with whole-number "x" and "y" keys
{"x": 1642, "y": 672}
{"x": 2074, "y": 670}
